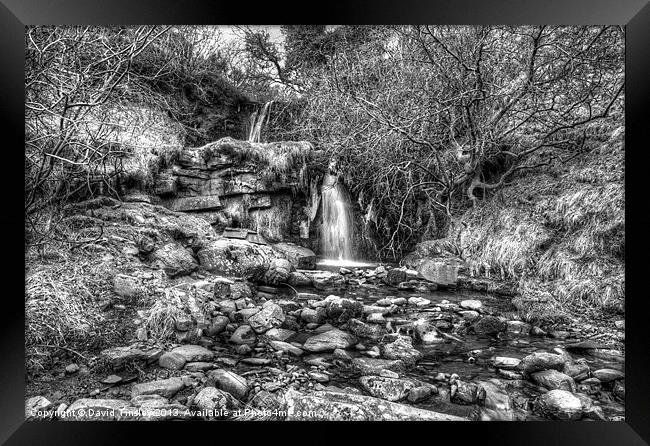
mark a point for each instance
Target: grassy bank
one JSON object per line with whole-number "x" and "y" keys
{"x": 559, "y": 234}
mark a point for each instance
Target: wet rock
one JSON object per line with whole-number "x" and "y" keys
{"x": 300, "y": 258}
{"x": 172, "y": 361}
{"x": 489, "y": 325}
{"x": 607, "y": 354}
{"x": 316, "y": 316}
{"x": 193, "y": 353}
{"x": 339, "y": 406}
{"x": 164, "y": 387}
{"x": 559, "y": 405}
{"x": 517, "y": 328}
{"x": 495, "y": 401}
{"x": 213, "y": 399}
{"x": 244, "y": 334}
{"x": 470, "y": 315}
{"x": 503, "y": 362}
{"x": 390, "y": 389}
{"x": 217, "y": 325}
{"x": 374, "y": 366}
{"x": 363, "y": 330}
{"x": 271, "y": 316}
{"x": 471, "y": 304}
{"x": 286, "y": 347}
{"x": 552, "y": 379}
{"x": 406, "y": 286}
{"x": 343, "y": 309}
{"x": 174, "y": 260}
{"x": 230, "y": 382}
{"x": 376, "y": 318}
{"x": 395, "y": 276}
{"x": 329, "y": 341}
{"x": 539, "y": 361}
{"x": 608, "y": 375}
{"x": 402, "y": 348}
{"x": 420, "y": 393}
{"x": 578, "y": 370}
{"x": 279, "y": 334}
{"x": 464, "y": 392}
{"x": 509, "y": 374}
{"x": 91, "y": 409}
{"x": 589, "y": 410}
{"x": 418, "y": 301}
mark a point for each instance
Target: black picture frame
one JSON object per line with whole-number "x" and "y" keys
{"x": 634, "y": 14}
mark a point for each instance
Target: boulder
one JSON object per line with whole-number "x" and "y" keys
{"x": 278, "y": 272}
{"x": 608, "y": 375}
{"x": 439, "y": 272}
{"x": 216, "y": 401}
{"x": 390, "y": 389}
{"x": 329, "y": 341}
{"x": 174, "y": 260}
{"x": 363, "y": 330}
{"x": 559, "y": 405}
{"x": 310, "y": 315}
{"x": 244, "y": 334}
{"x": 127, "y": 286}
{"x": 374, "y": 366}
{"x": 402, "y": 348}
{"x": 172, "y": 361}
{"x": 229, "y": 382}
{"x": 271, "y": 316}
{"x": 300, "y": 258}
{"x": 420, "y": 393}
{"x": 234, "y": 257}
{"x": 539, "y": 361}
{"x": 489, "y": 325}
{"x": 464, "y": 392}
{"x": 495, "y": 401}
{"x": 340, "y": 406}
{"x": 164, "y": 387}
{"x": 193, "y": 353}
{"x": 552, "y": 379}
{"x": 217, "y": 325}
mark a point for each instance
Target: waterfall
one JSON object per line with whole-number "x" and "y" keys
{"x": 257, "y": 121}
{"x": 337, "y": 230}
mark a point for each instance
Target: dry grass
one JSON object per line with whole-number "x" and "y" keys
{"x": 163, "y": 314}
{"x": 560, "y": 237}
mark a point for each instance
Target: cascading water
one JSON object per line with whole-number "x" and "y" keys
{"x": 337, "y": 220}
{"x": 257, "y": 121}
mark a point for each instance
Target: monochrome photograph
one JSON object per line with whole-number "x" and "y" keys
{"x": 324, "y": 223}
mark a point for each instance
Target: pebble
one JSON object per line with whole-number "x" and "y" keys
{"x": 72, "y": 368}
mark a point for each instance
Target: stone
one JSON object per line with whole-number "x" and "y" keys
{"x": 233, "y": 257}
{"x": 71, "y": 368}
{"x": 299, "y": 279}
{"x": 120, "y": 356}
{"x": 193, "y": 353}
{"x": 172, "y": 361}
{"x": 608, "y": 375}
{"x": 174, "y": 260}
{"x": 517, "y": 328}
{"x": 620, "y": 324}
{"x": 216, "y": 401}
{"x": 193, "y": 204}
{"x": 217, "y": 325}
{"x": 419, "y": 394}
{"x": 552, "y": 379}
{"x": 578, "y": 370}
{"x": 111, "y": 379}
{"x": 278, "y": 272}
{"x": 342, "y": 354}
{"x": 271, "y": 316}
{"x": 229, "y": 382}
{"x": 539, "y": 361}
{"x": 91, "y": 409}
{"x": 395, "y": 276}
{"x": 244, "y": 334}
{"x": 464, "y": 392}
{"x": 36, "y": 404}
{"x": 402, "y": 349}
{"x": 164, "y": 387}
{"x": 300, "y": 257}
{"x": 127, "y": 286}
{"x": 559, "y": 405}
{"x": 141, "y": 334}
{"x": 199, "y": 366}
{"x": 256, "y": 361}
{"x": 376, "y": 318}
{"x": 286, "y": 347}
{"x": 419, "y": 301}
{"x": 471, "y": 304}
{"x": 341, "y": 406}
{"x": 310, "y": 315}
{"x": 363, "y": 330}
{"x": 406, "y": 286}
{"x": 427, "y": 333}
{"x": 503, "y": 362}
{"x": 489, "y": 325}
{"x": 438, "y": 272}
{"x": 329, "y": 341}
{"x": 388, "y": 374}
{"x": 390, "y": 389}
{"x": 495, "y": 401}
{"x": 319, "y": 377}
{"x": 245, "y": 314}
{"x": 470, "y": 315}
{"x": 342, "y": 309}
{"x": 279, "y": 334}
{"x": 374, "y": 366}
{"x": 221, "y": 287}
